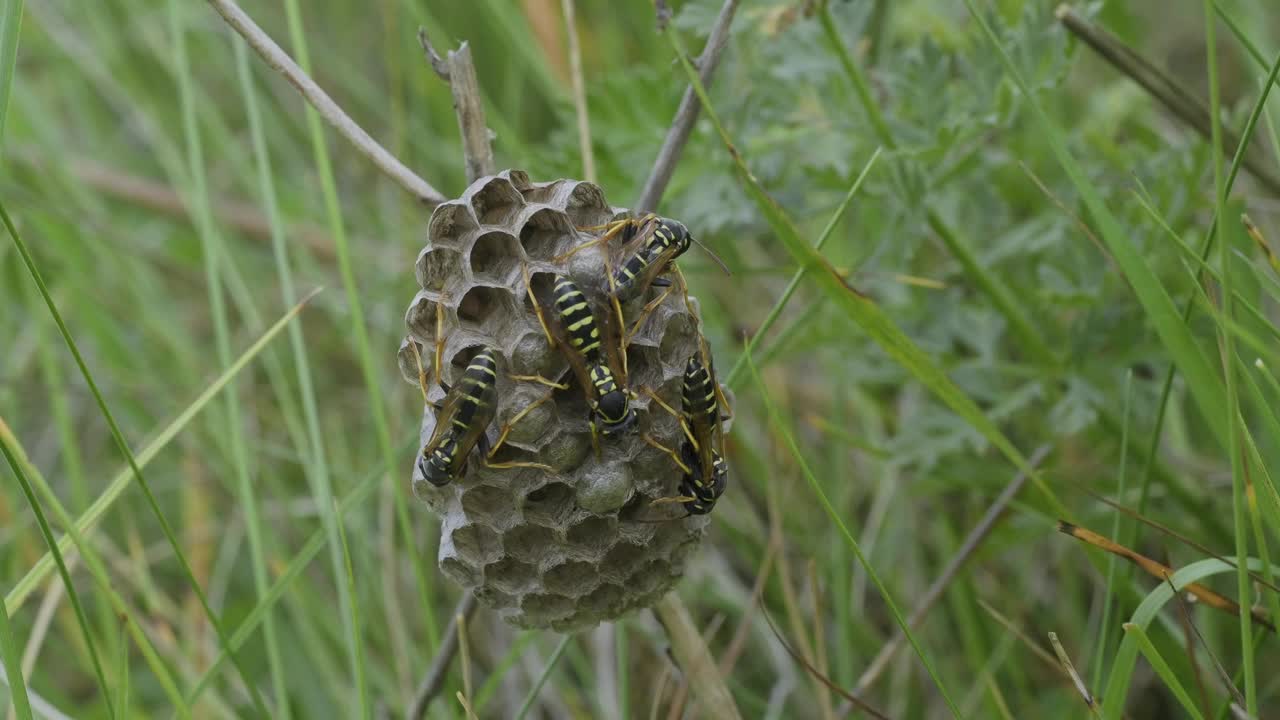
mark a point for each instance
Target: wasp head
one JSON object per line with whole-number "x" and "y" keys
{"x": 615, "y": 412}
{"x": 679, "y": 235}
{"x": 434, "y": 463}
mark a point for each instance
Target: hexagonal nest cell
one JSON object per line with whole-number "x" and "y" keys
{"x": 579, "y": 543}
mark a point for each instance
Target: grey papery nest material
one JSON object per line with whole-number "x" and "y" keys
{"x": 564, "y": 549}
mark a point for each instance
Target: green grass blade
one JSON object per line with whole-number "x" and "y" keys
{"x": 291, "y": 571}
{"x": 350, "y": 577}
{"x": 621, "y": 668}
{"x": 1122, "y": 668}
{"x": 10, "y": 455}
{"x": 861, "y": 309}
{"x": 1109, "y": 589}
{"x": 991, "y": 284}
{"x": 798, "y": 277}
{"x": 323, "y": 490}
{"x": 778, "y": 422}
{"x": 122, "y": 675}
{"x": 10, "y": 34}
{"x": 213, "y": 250}
{"x": 1237, "y": 161}
{"x": 1163, "y": 670}
{"x": 1202, "y": 381}
{"x": 500, "y": 670}
{"x": 13, "y": 669}
{"x": 125, "y": 450}
{"x": 120, "y": 609}
{"x": 532, "y": 697}
{"x": 1244, "y": 585}
{"x": 38, "y": 572}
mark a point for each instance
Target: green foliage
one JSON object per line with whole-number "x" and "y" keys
{"x": 1024, "y": 242}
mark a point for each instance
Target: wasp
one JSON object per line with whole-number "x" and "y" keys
{"x": 700, "y": 458}
{"x": 648, "y": 247}
{"x": 463, "y": 417}
{"x": 584, "y": 337}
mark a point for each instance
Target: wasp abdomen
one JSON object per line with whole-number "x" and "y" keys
{"x": 576, "y": 317}
{"x": 698, "y": 393}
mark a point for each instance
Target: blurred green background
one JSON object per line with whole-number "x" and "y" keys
{"x": 173, "y": 195}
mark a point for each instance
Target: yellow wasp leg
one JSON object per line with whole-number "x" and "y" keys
{"x": 439, "y": 354}
{"x": 422, "y": 374}
{"x": 541, "y": 381}
{"x": 644, "y": 315}
{"x": 439, "y": 350}
{"x": 671, "y": 453}
{"x": 617, "y": 308}
{"x": 517, "y": 464}
{"x": 611, "y": 229}
{"x": 675, "y": 499}
{"x": 507, "y": 426}
{"x": 684, "y": 426}
{"x": 537, "y": 307}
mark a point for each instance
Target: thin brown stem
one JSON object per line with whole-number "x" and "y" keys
{"x": 948, "y": 575}
{"x": 687, "y": 113}
{"x": 162, "y": 198}
{"x": 458, "y": 69}
{"x": 739, "y": 640}
{"x": 1070, "y": 669}
{"x": 1176, "y": 99}
{"x": 435, "y": 677}
{"x": 280, "y": 61}
{"x": 695, "y": 659}
{"x": 579, "y": 92}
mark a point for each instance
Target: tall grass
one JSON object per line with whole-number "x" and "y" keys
{"x": 954, "y": 237}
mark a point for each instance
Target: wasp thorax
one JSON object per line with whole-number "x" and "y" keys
{"x": 554, "y": 526}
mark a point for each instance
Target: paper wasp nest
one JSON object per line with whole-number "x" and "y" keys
{"x": 558, "y": 549}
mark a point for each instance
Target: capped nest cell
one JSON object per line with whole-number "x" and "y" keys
{"x": 570, "y": 547}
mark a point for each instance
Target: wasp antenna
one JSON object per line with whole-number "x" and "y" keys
{"x": 712, "y": 255}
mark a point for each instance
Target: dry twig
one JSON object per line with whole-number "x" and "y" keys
{"x": 1065, "y": 661}
{"x": 434, "y": 679}
{"x": 949, "y": 573}
{"x": 280, "y": 61}
{"x": 161, "y": 197}
{"x": 579, "y": 92}
{"x": 459, "y": 71}
{"x": 687, "y": 113}
{"x": 1175, "y": 98}
{"x": 695, "y": 659}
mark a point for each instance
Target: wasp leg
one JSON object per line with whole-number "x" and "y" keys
{"x": 645, "y": 312}
{"x": 541, "y": 380}
{"x": 673, "y": 499}
{"x": 439, "y": 354}
{"x": 422, "y": 374}
{"x": 611, "y": 229}
{"x": 688, "y": 305}
{"x": 507, "y": 426}
{"x": 595, "y": 437}
{"x": 518, "y": 464}
{"x": 537, "y": 307}
{"x": 488, "y": 452}
{"x": 616, "y": 305}
{"x": 670, "y": 453}
{"x": 578, "y": 248}
{"x": 684, "y": 425}
{"x": 436, "y": 355}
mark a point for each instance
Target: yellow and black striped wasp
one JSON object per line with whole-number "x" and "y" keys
{"x": 701, "y": 456}
{"x": 646, "y": 248}
{"x": 463, "y": 417}
{"x": 585, "y": 337}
